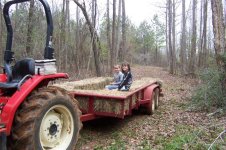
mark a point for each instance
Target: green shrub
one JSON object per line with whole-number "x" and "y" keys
{"x": 210, "y": 93}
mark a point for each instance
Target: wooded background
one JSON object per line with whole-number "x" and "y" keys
{"x": 179, "y": 36}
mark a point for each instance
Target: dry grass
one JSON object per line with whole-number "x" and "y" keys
{"x": 86, "y": 84}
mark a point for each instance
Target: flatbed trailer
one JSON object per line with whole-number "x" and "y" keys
{"x": 146, "y": 96}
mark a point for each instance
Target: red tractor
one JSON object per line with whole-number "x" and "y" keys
{"x": 34, "y": 115}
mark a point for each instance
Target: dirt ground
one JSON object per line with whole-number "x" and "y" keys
{"x": 172, "y": 126}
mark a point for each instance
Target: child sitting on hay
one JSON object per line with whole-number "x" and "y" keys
{"x": 118, "y": 77}
{"x": 127, "y": 78}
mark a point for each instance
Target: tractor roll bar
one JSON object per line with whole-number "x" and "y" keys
{"x": 8, "y": 57}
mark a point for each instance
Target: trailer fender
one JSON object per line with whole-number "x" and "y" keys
{"x": 149, "y": 91}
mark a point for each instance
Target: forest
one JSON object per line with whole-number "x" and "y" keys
{"x": 183, "y": 44}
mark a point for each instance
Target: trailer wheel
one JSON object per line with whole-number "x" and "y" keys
{"x": 151, "y": 105}
{"x": 48, "y": 119}
{"x": 156, "y": 98}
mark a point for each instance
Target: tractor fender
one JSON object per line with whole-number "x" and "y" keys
{"x": 20, "y": 96}
{"x": 149, "y": 91}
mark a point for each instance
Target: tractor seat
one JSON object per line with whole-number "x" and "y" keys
{"x": 20, "y": 72}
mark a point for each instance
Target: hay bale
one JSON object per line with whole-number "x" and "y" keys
{"x": 126, "y": 104}
{"x": 86, "y": 84}
{"x": 110, "y": 105}
{"x": 134, "y": 99}
{"x": 83, "y": 103}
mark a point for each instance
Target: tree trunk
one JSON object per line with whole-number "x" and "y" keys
{"x": 174, "y": 36}
{"x": 219, "y": 40}
{"x": 117, "y": 40}
{"x": 218, "y": 30}
{"x": 193, "y": 39}
{"x": 113, "y": 35}
{"x": 93, "y": 20}
{"x": 124, "y": 48}
{"x": 61, "y": 50}
{"x": 77, "y": 38}
{"x": 108, "y": 36}
{"x": 200, "y": 52}
{"x": 170, "y": 37}
{"x": 167, "y": 46}
{"x": 204, "y": 39}
{"x": 30, "y": 29}
{"x": 183, "y": 40}
{"x": 67, "y": 33}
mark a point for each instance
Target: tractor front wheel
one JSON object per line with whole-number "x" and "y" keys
{"x": 48, "y": 119}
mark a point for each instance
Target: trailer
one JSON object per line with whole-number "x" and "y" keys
{"x": 98, "y": 103}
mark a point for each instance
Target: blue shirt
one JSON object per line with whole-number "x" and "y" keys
{"x": 118, "y": 77}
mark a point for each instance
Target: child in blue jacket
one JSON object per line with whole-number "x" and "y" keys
{"x": 118, "y": 77}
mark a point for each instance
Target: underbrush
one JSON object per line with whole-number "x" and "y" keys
{"x": 188, "y": 138}
{"x": 210, "y": 95}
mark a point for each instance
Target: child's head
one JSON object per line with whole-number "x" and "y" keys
{"x": 125, "y": 67}
{"x": 117, "y": 68}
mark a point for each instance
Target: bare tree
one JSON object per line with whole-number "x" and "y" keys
{"x": 171, "y": 53}
{"x": 219, "y": 39}
{"x": 200, "y": 35}
{"x": 218, "y": 29}
{"x": 77, "y": 38}
{"x": 167, "y": 48}
{"x": 117, "y": 40}
{"x": 30, "y": 28}
{"x": 204, "y": 32}
{"x": 183, "y": 40}
{"x": 61, "y": 50}
{"x": 93, "y": 19}
{"x": 123, "y": 49}
{"x": 95, "y": 39}
{"x": 108, "y": 35}
{"x": 174, "y": 34}
{"x": 113, "y": 45}
{"x": 67, "y": 34}
{"x": 193, "y": 39}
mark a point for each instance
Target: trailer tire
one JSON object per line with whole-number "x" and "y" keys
{"x": 48, "y": 119}
{"x": 156, "y": 98}
{"x": 151, "y": 106}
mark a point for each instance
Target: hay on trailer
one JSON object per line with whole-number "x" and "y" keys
{"x": 134, "y": 99}
{"x": 83, "y": 103}
{"x": 110, "y": 106}
{"x": 96, "y": 86}
{"x": 126, "y": 104}
{"x": 86, "y": 84}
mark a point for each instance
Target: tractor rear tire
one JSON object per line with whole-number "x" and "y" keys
{"x": 48, "y": 119}
{"x": 151, "y": 106}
